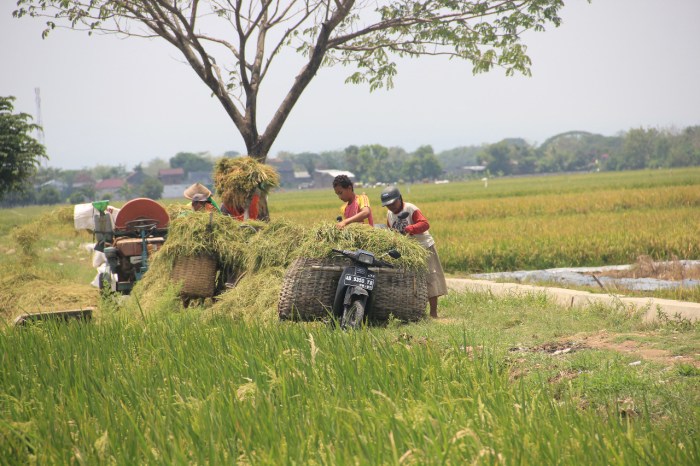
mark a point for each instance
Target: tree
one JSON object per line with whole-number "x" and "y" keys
{"x": 641, "y": 148}
{"x": 429, "y": 164}
{"x": 499, "y": 158}
{"x": 252, "y": 34}
{"x": 103, "y": 172}
{"x": 154, "y": 166}
{"x": 48, "y": 195}
{"x": 151, "y": 188}
{"x": 20, "y": 153}
{"x": 191, "y": 162}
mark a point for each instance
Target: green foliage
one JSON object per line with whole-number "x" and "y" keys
{"x": 365, "y": 36}
{"x": 192, "y": 162}
{"x": 20, "y": 153}
{"x": 151, "y": 188}
{"x": 48, "y": 195}
{"x": 176, "y": 389}
{"x": 655, "y": 148}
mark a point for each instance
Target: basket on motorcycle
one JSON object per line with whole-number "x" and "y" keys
{"x": 308, "y": 288}
{"x": 401, "y": 293}
{"x": 197, "y": 275}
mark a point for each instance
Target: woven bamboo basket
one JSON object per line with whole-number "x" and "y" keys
{"x": 401, "y": 293}
{"x": 197, "y": 275}
{"x": 309, "y": 285}
{"x": 308, "y": 288}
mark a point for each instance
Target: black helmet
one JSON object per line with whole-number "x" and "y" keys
{"x": 389, "y": 195}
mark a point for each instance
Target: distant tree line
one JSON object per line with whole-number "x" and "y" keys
{"x": 574, "y": 151}
{"x": 581, "y": 151}
{"x": 372, "y": 163}
{"x": 48, "y": 185}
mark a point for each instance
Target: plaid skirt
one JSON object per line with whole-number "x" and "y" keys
{"x": 437, "y": 286}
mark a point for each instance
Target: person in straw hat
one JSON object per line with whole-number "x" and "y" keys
{"x": 201, "y": 198}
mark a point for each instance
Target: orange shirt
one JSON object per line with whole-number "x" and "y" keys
{"x": 239, "y": 214}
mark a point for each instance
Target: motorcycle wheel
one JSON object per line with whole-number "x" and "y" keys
{"x": 352, "y": 317}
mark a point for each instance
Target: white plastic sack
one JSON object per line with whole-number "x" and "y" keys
{"x": 101, "y": 269}
{"x": 98, "y": 258}
{"x": 83, "y": 217}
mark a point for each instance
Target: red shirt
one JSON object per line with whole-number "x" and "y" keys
{"x": 240, "y": 214}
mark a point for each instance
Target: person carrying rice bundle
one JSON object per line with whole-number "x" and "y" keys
{"x": 241, "y": 182}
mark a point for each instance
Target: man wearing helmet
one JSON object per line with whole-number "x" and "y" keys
{"x": 416, "y": 225}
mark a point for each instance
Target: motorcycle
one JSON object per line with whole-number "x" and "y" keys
{"x": 354, "y": 291}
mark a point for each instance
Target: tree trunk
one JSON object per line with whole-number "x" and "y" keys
{"x": 263, "y": 211}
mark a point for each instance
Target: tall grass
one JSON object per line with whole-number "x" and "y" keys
{"x": 174, "y": 390}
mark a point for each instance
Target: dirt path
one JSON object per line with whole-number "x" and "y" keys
{"x": 635, "y": 348}
{"x": 570, "y": 298}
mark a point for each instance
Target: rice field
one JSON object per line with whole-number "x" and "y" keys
{"x": 149, "y": 382}
{"x": 173, "y": 389}
{"x": 542, "y": 222}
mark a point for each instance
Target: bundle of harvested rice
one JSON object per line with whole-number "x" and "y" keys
{"x": 260, "y": 253}
{"x": 176, "y": 209}
{"x": 236, "y": 180}
{"x": 319, "y": 242}
{"x": 274, "y": 245}
{"x": 37, "y": 290}
{"x": 254, "y": 298}
{"x": 205, "y": 233}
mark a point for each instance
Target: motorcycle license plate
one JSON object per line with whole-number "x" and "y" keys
{"x": 360, "y": 277}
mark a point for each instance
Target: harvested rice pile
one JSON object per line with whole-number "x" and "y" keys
{"x": 205, "y": 233}
{"x": 254, "y": 298}
{"x": 236, "y": 180}
{"x": 54, "y": 220}
{"x": 37, "y": 271}
{"x": 260, "y": 253}
{"x": 319, "y": 241}
{"x": 30, "y": 290}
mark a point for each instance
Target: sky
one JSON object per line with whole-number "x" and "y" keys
{"x": 613, "y": 65}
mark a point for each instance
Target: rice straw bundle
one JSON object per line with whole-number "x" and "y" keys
{"x": 205, "y": 233}
{"x": 274, "y": 245}
{"x": 236, "y": 180}
{"x": 254, "y": 298}
{"x": 319, "y": 241}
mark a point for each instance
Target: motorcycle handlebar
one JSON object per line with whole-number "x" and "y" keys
{"x": 377, "y": 262}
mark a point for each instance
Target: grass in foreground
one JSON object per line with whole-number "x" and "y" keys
{"x": 175, "y": 388}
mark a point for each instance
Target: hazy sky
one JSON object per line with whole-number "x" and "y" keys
{"x": 613, "y": 65}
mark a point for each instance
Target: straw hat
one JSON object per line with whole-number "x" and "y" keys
{"x": 196, "y": 188}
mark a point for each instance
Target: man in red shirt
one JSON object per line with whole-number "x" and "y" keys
{"x": 416, "y": 226}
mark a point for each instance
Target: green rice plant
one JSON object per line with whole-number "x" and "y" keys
{"x": 182, "y": 390}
